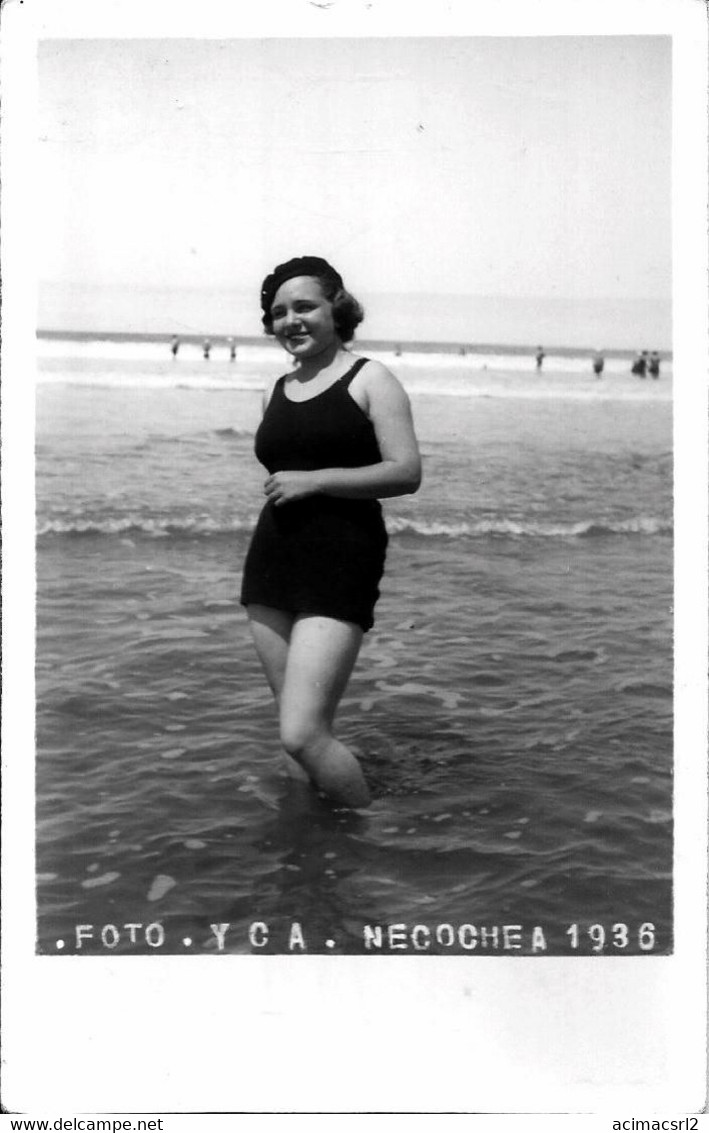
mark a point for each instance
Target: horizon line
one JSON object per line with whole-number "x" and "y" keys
{"x": 429, "y": 346}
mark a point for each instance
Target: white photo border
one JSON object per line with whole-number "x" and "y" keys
{"x": 354, "y": 1034}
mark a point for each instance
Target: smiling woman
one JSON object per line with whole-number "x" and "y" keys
{"x": 336, "y": 436}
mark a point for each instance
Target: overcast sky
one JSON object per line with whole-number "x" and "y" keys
{"x": 475, "y": 166}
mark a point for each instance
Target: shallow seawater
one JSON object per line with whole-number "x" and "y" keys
{"x": 512, "y": 706}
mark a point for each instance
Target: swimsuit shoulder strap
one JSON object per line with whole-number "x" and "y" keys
{"x": 277, "y": 389}
{"x": 347, "y": 378}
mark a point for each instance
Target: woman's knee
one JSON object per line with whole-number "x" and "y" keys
{"x": 300, "y": 733}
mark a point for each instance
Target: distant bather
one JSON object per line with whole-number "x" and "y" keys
{"x": 639, "y": 366}
{"x": 598, "y": 363}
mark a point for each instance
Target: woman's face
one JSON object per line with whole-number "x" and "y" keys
{"x": 302, "y": 318}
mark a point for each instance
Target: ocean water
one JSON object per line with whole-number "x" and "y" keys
{"x": 512, "y": 706}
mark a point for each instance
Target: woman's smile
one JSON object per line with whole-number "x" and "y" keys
{"x": 302, "y": 317}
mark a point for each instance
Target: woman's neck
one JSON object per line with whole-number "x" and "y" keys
{"x": 326, "y": 362}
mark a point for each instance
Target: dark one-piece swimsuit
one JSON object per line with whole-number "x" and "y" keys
{"x": 322, "y": 554}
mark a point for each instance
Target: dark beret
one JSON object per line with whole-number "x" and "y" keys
{"x": 301, "y": 265}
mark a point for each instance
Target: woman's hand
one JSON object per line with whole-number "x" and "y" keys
{"x": 284, "y": 487}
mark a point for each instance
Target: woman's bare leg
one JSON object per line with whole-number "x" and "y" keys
{"x": 320, "y": 657}
{"x": 271, "y": 630}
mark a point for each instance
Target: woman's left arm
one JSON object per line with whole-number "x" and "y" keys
{"x": 397, "y": 474}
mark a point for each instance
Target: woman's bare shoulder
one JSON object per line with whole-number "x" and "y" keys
{"x": 376, "y": 375}
{"x": 374, "y": 368}
{"x": 379, "y": 379}
{"x": 376, "y": 388}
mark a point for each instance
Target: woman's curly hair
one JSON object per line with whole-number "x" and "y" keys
{"x": 347, "y": 312}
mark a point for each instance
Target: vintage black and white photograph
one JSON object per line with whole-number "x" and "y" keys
{"x": 357, "y": 379}
{"x": 375, "y": 657}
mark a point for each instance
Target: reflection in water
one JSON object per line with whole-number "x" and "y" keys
{"x": 308, "y": 850}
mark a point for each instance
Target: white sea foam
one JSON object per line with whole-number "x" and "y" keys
{"x": 424, "y": 374}
{"x": 152, "y": 379}
{"x": 205, "y": 525}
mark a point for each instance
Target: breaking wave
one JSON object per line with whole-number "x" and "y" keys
{"x": 196, "y": 526}
{"x": 514, "y": 529}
